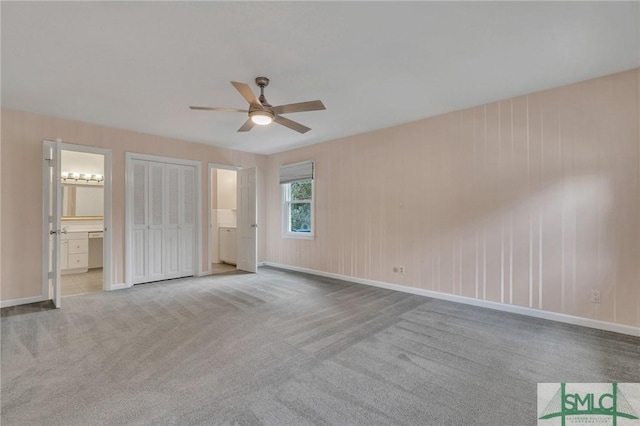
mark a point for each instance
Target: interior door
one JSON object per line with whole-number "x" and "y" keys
{"x": 52, "y": 212}
{"x": 156, "y": 221}
{"x": 187, "y": 215}
{"x": 247, "y": 225}
{"x": 171, "y": 237}
{"x": 139, "y": 229}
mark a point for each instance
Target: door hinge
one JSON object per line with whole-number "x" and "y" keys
{"x": 50, "y": 275}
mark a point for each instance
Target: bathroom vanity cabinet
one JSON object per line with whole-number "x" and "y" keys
{"x": 227, "y": 244}
{"x": 80, "y": 251}
{"x": 74, "y": 253}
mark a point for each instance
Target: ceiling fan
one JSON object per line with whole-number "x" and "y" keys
{"x": 262, "y": 113}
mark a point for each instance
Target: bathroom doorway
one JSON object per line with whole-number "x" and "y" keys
{"x": 223, "y": 213}
{"x": 79, "y": 255}
{"x": 82, "y": 239}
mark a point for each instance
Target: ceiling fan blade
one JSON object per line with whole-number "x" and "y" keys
{"x": 218, "y": 109}
{"x": 246, "y": 93}
{"x": 248, "y": 125}
{"x": 292, "y": 124}
{"x": 299, "y": 107}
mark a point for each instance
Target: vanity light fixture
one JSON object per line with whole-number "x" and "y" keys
{"x": 71, "y": 175}
{"x": 86, "y": 177}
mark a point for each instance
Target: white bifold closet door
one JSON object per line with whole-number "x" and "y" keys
{"x": 163, "y": 220}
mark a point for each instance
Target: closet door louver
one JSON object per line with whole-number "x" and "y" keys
{"x": 172, "y": 231}
{"x": 163, "y": 200}
{"x": 156, "y": 221}
{"x": 187, "y": 214}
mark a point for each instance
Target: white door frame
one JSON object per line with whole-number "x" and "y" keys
{"x": 107, "y": 275}
{"x": 212, "y": 166}
{"x": 129, "y": 156}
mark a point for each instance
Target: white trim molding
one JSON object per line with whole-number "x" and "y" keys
{"x": 536, "y": 313}
{"x": 22, "y": 301}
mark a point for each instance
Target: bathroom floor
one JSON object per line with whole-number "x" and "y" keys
{"x": 219, "y": 268}
{"x": 89, "y": 282}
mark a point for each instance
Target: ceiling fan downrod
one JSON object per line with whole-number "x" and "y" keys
{"x": 262, "y": 82}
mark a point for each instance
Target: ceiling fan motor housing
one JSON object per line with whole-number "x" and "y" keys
{"x": 262, "y": 82}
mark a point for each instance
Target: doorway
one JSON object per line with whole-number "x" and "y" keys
{"x": 81, "y": 246}
{"x": 232, "y": 214}
{"x": 76, "y": 220}
{"x": 223, "y": 220}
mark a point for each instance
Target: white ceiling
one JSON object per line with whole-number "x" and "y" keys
{"x": 139, "y": 65}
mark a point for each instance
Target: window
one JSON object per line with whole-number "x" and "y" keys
{"x": 297, "y": 200}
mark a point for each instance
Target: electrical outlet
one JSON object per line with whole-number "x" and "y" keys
{"x": 402, "y": 270}
{"x": 595, "y": 296}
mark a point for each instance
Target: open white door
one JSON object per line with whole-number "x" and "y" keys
{"x": 52, "y": 211}
{"x": 247, "y": 225}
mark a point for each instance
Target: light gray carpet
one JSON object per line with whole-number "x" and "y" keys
{"x": 281, "y": 348}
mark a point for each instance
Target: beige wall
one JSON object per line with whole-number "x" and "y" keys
{"x": 531, "y": 201}
{"x": 21, "y": 188}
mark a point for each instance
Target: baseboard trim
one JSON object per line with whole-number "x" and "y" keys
{"x": 553, "y": 316}
{"x": 22, "y": 301}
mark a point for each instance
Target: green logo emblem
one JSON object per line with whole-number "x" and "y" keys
{"x": 584, "y": 401}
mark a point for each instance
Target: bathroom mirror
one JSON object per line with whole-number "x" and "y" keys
{"x": 82, "y": 201}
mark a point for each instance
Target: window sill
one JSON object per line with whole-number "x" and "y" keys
{"x": 299, "y": 236}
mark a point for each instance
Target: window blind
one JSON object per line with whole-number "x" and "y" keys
{"x": 296, "y": 172}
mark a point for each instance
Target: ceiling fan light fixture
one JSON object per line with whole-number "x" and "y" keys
{"x": 261, "y": 118}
